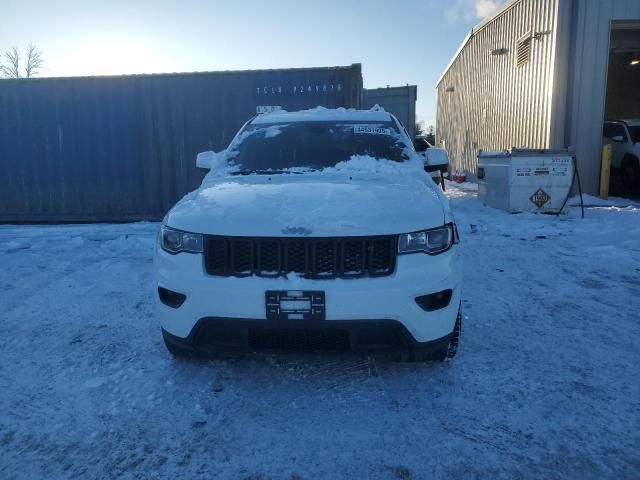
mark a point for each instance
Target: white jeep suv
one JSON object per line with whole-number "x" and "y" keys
{"x": 317, "y": 231}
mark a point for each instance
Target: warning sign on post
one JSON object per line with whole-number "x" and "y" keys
{"x": 539, "y": 198}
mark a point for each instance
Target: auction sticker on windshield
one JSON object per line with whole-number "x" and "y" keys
{"x": 371, "y": 130}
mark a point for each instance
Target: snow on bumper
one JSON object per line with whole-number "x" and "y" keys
{"x": 391, "y": 297}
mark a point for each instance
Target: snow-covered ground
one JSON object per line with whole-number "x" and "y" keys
{"x": 546, "y": 383}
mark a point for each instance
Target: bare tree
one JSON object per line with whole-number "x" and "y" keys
{"x": 11, "y": 61}
{"x": 35, "y": 62}
{"x": 419, "y": 128}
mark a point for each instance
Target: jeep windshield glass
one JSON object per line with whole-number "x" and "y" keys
{"x": 272, "y": 148}
{"x": 634, "y": 131}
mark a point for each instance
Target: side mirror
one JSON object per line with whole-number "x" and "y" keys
{"x": 210, "y": 160}
{"x": 436, "y": 159}
{"x": 618, "y": 138}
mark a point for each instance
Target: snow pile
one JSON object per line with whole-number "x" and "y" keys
{"x": 464, "y": 186}
{"x": 593, "y": 201}
{"x": 361, "y": 196}
{"x": 377, "y": 166}
{"x": 376, "y": 114}
{"x": 14, "y": 245}
{"x": 273, "y": 131}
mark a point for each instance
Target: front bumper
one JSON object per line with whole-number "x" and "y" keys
{"x": 218, "y": 302}
{"x": 221, "y": 336}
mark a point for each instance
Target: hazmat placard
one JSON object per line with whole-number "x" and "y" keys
{"x": 539, "y": 198}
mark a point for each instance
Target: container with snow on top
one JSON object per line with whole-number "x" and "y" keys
{"x": 525, "y": 180}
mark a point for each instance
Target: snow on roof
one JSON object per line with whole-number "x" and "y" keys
{"x": 318, "y": 114}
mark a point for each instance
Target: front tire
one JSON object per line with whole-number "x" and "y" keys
{"x": 452, "y": 348}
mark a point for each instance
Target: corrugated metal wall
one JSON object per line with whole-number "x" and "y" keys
{"x": 557, "y": 100}
{"x": 124, "y": 148}
{"x": 400, "y": 101}
{"x": 587, "y": 80}
{"x": 484, "y": 100}
{"x": 494, "y": 104}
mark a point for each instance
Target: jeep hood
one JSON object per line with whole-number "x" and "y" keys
{"x": 311, "y": 205}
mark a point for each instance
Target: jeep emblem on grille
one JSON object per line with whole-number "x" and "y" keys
{"x": 296, "y": 231}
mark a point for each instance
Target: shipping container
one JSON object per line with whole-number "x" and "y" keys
{"x": 400, "y": 101}
{"x": 122, "y": 148}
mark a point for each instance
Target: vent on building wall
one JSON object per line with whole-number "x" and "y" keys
{"x": 523, "y": 50}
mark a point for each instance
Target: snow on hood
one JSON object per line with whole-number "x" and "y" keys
{"x": 362, "y": 196}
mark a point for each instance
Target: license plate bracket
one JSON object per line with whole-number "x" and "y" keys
{"x": 295, "y": 305}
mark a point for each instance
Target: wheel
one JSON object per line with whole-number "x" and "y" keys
{"x": 445, "y": 354}
{"x": 452, "y": 348}
{"x": 630, "y": 174}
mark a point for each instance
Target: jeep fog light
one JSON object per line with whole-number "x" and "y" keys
{"x": 170, "y": 298}
{"x": 434, "y": 301}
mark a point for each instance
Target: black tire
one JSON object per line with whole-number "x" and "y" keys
{"x": 630, "y": 174}
{"x": 452, "y": 348}
{"x": 445, "y": 354}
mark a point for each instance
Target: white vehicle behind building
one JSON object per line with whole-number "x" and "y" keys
{"x": 624, "y": 137}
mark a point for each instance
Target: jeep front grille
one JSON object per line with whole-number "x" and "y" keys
{"x": 342, "y": 257}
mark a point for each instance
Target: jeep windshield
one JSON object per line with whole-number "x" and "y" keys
{"x": 276, "y": 148}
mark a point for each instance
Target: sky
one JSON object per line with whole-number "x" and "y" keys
{"x": 397, "y": 43}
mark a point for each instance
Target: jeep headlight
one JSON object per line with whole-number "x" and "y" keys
{"x": 433, "y": 241}
{"x": 176, "y": 241}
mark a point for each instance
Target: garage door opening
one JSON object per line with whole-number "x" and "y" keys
{"x": 622, "y": 109}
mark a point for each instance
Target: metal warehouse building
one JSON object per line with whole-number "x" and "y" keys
{"x": 542, "y": 74}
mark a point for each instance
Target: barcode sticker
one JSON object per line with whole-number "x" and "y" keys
{"x": 371, "y": 130}
{"x": 268, "y": 108}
